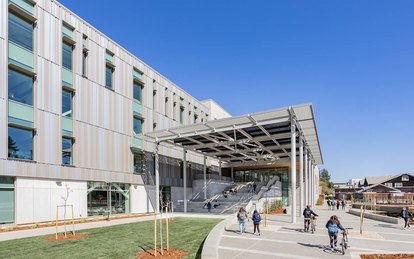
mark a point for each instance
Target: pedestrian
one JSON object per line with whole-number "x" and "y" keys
{"x": 406, "y": 215}
{"x": 256, "y": 218}
{"x": 343, "y": 204}
{"x": 254, "y": 187}
{"x": 241, "y": 217}
{"x": 333, "y": 225}
{"x": 248, "y": 187}
{"x": 307, "y": 214}
{"x": 209, "y": 206}
{"x": 333, "y": 203}
{"x": 328, "y": 201}
{"x": 338, "y": 203}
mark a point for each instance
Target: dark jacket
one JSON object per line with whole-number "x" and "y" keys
{"x": 256, "y": 218}
{"x": 330, "y": 222}
{"x": 307, "y": 213}
{"x": 406, "y": 214}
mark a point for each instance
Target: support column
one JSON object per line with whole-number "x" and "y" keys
{"x": 220, "y": 169}
{"x": 312, "y": 185}
{"x": 306, "y": 178}
{"x": 309, "y": 178}
{"x": 232, "y": 174}
{"x": 157, "y": 179}
{"x": 301, "y": 201}
{"x": 293, "y": 169}
{"x": 205, "y": 177}
{"x": 185, "y": 179}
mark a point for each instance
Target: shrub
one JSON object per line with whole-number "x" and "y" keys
{"x": 319, "y": 201}
{"x": 273, "y": 205}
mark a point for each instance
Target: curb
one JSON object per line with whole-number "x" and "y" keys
{"x": 211, "y": 244}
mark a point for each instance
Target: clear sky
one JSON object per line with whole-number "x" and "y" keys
{"x": 354, "y": 60}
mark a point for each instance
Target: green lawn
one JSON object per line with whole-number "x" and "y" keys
{"x": 122, "y": 241}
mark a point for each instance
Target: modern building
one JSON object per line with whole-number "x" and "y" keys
{"x": 80, "y": 114}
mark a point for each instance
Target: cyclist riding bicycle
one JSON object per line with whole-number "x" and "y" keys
{"x": 307, "y": 214}
{"x": 333, "y": 225}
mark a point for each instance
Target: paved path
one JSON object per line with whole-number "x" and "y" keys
{"x": 281, "y": 239}
{"x": 99, "y": 224}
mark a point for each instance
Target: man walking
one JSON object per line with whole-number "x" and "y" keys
{"x": 406, "y": 215}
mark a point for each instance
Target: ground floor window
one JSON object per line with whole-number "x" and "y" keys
{"x": 106, "y": 198}
{"x": 6, "y": 200}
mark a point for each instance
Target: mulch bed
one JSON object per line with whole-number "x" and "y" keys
{"x": 61, "y": 237}
{"x": 278, "y": 211}
{"x": 387, "y": 256}
{"x": 171, "y": 253}
{"x": 170, "y": 221}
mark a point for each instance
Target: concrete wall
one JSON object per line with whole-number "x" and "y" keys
{"x": 36, "y": 200}
{"x": 216, "y": 111}
{"x": 177, "y": 194}
{"x": 141, "y": 198}
{"x": 215, "y": 186}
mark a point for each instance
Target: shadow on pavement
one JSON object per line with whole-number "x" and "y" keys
{"x": 300, "y": 230}
{"x": 324, "y": 248}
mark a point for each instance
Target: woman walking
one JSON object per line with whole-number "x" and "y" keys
{"x": 241, "y": 217}
{"x": 333, "y": 225}
{"x": 256, "y": 218}
{"x": 406, "y": 215}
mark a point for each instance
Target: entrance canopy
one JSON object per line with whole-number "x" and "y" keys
{"x": 259, "y": 138}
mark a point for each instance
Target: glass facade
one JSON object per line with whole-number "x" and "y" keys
{"x": 137, "y": 125}
{"x": 108, "y": 76}
{"x": 138, "y": 163}
{"x": 67, "y": 104}
{"x": 67, "y": 144}
{"x": 20, "y": 143}
{"x": 6, "y": 200}
{"x": 67, "y": 56}
{"x": 20, "y": 87}
{"x": 107, "y": 197}
{"x": 138, "y": 92}
{"x": 20, "y": 32}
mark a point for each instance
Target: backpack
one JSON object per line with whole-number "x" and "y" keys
{"x": 332, "y": 228}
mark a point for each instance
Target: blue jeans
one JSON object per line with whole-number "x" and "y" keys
{"x": 242, "y": 226}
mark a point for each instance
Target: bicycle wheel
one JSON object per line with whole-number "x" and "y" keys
{"x": 343, "y": 245}
{"x": 313, "y": 228}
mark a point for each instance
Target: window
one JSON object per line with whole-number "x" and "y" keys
{"x": 20, "y": 143}
{"x": 67, "y": 104}
{"x": 138, "y": 163}
{"x": 154, "y": 99}
{"x": 109, "y": 76}
{"x": 137, "y": 125}
{"x": 84, "y": 62}
{"x": 405, "y": 178}
{"x": 20, "y": 87}
{"x": 67, "y": 55}
{"x": 166, "y": 107}
{"x": 137, "y": 92}
{"x": 388, "y": 184}
{"x": 181, "y": 114}
{"x": 195, "y": 118}
{"x": 67, "y": 144}
{"x": 20, "y": 32}
{"x": 398, "y": 185}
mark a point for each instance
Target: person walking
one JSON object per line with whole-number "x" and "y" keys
{"x": 343, "y": 204}
{"x": 241, "y": 217}
{"x": 307, "y": 214}
{"x": 209, "y": 206}
{"x": 333, "y": 204}
{"x": 256, "y": 218}
{"x": 328, "y": 201}
{"x": 333, "y": 225}
{"x": 254, "y": 187}
{"x": 406, "y": 215}
{"x": 338, "y": 203}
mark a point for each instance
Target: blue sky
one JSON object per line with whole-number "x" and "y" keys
{"x": 354, "y": 60}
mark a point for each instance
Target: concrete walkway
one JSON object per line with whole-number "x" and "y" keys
{"x": 90, "y": 225}
{"x": 281, "y": 239}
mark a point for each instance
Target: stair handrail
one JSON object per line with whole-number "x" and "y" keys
{"x": 202, "y": 190}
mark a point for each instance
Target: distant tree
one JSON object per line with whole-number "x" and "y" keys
{"x": 325, "y": 176}
{"x": 326, "y": 183}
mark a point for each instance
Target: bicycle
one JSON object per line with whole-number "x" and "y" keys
{"x": 313, "y": 224}
{"x": 344, "y": 241}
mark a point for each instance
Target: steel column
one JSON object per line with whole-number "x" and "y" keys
{"x": 185, "y": 179}
{"x": 306, "y": 178}
{"x": 205, "y": 177}
{"x": 301, "y": 201}
{"x": 293, "y": 169}
{"x": 157, "y": 179}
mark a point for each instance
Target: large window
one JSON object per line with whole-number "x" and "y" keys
{"x": 67, "y": 104}
{"x": 138, "y": 92}
{"x": 107, "y": 197}
{"x": 109, "y": 76}
{"x": 20, "y": 32}
{"x": 67, "y": 55}
{"x": 20, "y": 143}
{"x": 67, "y": 144}
{"x": 138, "y": 163}
{"x": 6, "y": 200}
{"x": 137, "y": 125}
{"x": 181, "y": 114}
{"x": 20, "y": 87}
